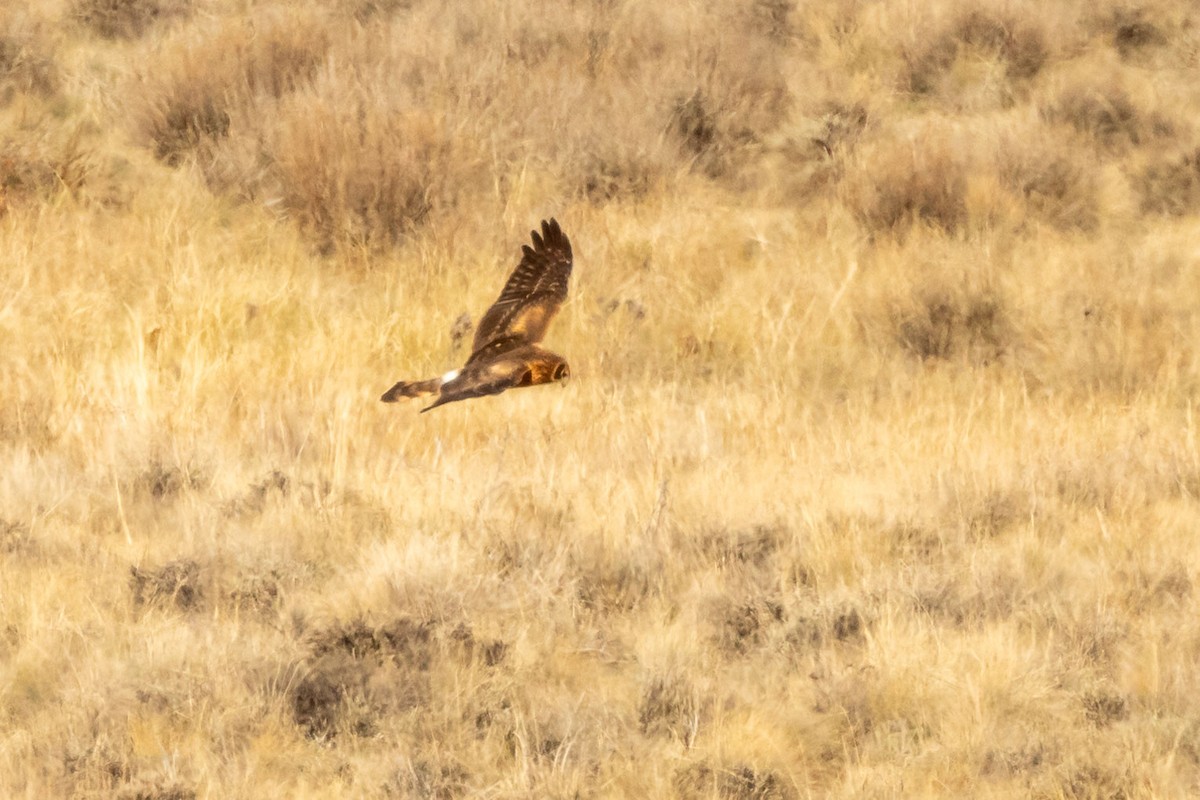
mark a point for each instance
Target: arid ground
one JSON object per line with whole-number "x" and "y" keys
{"x": 877, "y": 475}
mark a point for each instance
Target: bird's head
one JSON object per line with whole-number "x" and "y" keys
{"x": 561, "y": 372}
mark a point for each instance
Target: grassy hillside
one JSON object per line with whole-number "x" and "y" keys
{"x": 877, "y": 475}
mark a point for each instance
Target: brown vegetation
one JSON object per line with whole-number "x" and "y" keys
{"x": 877, "y": 475}
{"x": 126, "y": 19}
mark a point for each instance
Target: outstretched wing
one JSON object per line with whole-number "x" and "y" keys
{"x": 531, "y": 298}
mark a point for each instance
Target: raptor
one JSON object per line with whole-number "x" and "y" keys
{"x": 506, "y": 353}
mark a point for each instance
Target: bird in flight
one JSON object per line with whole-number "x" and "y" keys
{"x": 505, "y": 353}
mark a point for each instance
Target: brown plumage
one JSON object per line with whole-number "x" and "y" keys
{"x": 505, "y": 354}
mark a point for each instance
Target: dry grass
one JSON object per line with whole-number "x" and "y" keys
{"x": 877, "y": 477}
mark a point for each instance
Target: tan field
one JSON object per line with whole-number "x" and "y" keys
{"x": 876, "y": 477}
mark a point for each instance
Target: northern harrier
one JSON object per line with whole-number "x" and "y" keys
{"x": 505, "y": 353}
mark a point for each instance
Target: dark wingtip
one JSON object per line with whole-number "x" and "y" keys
{"x": 552, "y": 233}
{"x": 392, "y": 394}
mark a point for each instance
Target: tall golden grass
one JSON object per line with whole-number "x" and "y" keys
{"x": 878, "y": 475}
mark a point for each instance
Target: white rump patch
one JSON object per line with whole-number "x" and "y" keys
{"x": 449, "y": 376}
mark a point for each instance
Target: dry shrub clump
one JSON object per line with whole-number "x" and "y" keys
{"x": 670, "y": 706}
{"x": 164, "y": 482}
{"x": 841, "y": 125}
{"x": 1107, "y": 112}
{"x": 736, "y": 782}
{"x": 358, "y": 673}
{"x": 708, "y": 112}
{"x": 739, "y": 96}
{"x": 181, "y": 584}
{"x": 1016, "y": 43}
{"x": 127, "y": 19}
{"x": 715, "y": 129}
{"x": 1055, "y": 183}
{"x": 392, "y": 129}
{"x": 357, "y": 167}
{"x": 40, "y": 155}
{"x": 901, "y": 181}
{"x": 158, "y": 791}
{"x": 1171, "y": 185}
{"x": 41, "y": 163}
{"x": 27, "y": 58}
{"x": 958, "y": 178}
{"x": 808, "y": 158}
{"x": 1149, "y": 33}
{"x": 1134, "y": 30}
{"x": 946, "y": 304}
{"x": 189, "y": 98}
{"x": 941, "y": 325}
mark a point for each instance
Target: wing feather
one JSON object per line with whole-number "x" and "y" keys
{"x": 527, "y": 365}
{"x": 481, "y": 381}
{"x": 531, "y": 297}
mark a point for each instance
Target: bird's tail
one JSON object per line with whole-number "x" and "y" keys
{"x": 412, "y": 389}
